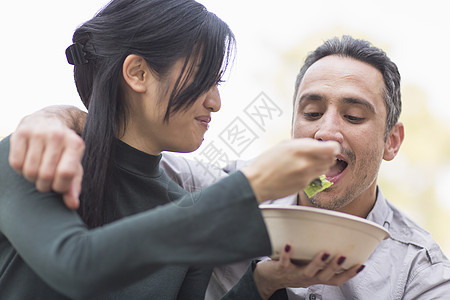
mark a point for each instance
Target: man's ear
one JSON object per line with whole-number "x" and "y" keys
{"x": 394, "y": 141}
{"x": 136, "y": 73}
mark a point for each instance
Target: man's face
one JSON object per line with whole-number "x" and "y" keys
{"x": 341, "y": 99}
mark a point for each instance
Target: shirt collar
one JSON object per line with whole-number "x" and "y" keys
{"x": 289, "y": 200}
{"x": 381, "y": 213}
{"x": 135, "y": 161}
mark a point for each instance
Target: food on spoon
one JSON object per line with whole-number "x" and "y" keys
{"x": 317, "y": 185}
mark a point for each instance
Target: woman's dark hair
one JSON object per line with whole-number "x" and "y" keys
{"x": 362, "y": 50}
{"x": 160, "y": 31}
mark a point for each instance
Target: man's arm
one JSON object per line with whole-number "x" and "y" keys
{"x": 428, "y": 280}
{"x": 46, "y": 149}
{"x": 56, "y": 164}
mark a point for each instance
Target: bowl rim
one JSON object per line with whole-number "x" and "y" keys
{"x": 323, "y": 211}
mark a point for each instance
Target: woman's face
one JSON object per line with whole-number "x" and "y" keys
{"x": 146, "y": 129}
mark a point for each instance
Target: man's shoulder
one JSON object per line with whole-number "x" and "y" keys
{"x": 197, "y": 173}
{"x": 191, "y": 174}
{"x": 405, "y": 231}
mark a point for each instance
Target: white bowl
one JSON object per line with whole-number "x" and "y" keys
{"x": 310, "y": 230}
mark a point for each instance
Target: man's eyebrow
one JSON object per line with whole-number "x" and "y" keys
{"x": 313, "y": 97}
{"x": 347, "y": 100}
{"x": 363, "y": 102}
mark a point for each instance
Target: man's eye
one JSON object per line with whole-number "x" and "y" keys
{"x": 312, "y": 115}
{"x": 354, "y": 119}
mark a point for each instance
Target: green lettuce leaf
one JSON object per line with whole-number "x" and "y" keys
{"x": 314, "y": 188}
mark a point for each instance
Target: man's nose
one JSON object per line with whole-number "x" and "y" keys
{"x": 329, "y": 128}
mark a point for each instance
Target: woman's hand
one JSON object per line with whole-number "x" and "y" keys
{"x": 289, "y": 167}
{"x": 272, "y": 275}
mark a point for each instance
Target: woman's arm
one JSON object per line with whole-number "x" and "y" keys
{"x": 82, "y": 263}
{"x": 195, "y": 283}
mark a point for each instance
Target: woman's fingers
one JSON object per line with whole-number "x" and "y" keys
{"x": 285, "y": 256}
{"x": 289, "y": 167}
{"x": 271, "y": 275}
{"x": 344, "y": 276}
{"x": 334, "y": 274}
{"x": 316, "y": 265}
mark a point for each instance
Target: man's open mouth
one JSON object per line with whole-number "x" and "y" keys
{"x": 336, "y": 169}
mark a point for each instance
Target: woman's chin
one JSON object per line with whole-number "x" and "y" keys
{"x": 186, "y": 148}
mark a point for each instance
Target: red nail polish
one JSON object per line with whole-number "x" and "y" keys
{"x": 360, "y": 269}
{"x": 341, "y": 260}
{"x": 287, "y": 248}
{"x": 325, "y": 256}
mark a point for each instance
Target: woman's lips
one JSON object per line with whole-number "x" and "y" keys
{"x": 204, "y": 121}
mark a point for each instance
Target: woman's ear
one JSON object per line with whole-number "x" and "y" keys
{"x": 136, "y": 73}
{"x": 394, "y": 141}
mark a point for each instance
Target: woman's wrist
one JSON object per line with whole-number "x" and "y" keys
{"x": 265, "y": 286}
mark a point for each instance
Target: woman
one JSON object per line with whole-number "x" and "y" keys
{"x": 147, "y": 71}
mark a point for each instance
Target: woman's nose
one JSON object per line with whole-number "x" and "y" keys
{"x": 212, "y": 100}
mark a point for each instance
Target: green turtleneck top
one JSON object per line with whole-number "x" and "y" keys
{"x": 157, "y": 231}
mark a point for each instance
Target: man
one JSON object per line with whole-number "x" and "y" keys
{"x": 347, "y": 91}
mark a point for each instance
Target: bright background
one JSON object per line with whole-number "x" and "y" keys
{"x": 273, "y": 39}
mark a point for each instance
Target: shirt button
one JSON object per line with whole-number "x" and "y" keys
{"x": 312, "y": 297}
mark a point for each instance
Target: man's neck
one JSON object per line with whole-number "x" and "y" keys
{"x": 359, "y": 207}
